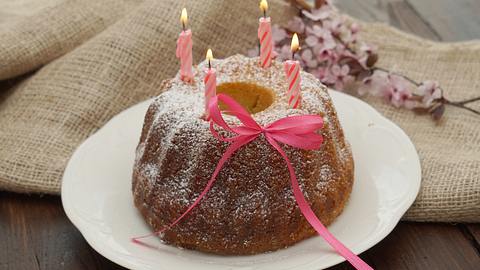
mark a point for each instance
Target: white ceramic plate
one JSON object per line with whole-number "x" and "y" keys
{"x": 96, "y": 195}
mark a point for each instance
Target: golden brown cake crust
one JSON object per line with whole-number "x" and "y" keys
{"x": 251, "y": 208}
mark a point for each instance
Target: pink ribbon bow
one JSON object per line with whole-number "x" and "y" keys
{"x": 297, "y": 131}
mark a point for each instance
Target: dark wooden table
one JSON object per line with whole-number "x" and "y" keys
{"x": 36, "y": 234}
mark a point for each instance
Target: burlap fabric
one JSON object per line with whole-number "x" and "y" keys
{"x": 49, "y": 114}
{"x": 62, "y": 25}
{"x": 10, "y": 11}
{"x": 46, "y": 116}
{"x": 450, "y": 150}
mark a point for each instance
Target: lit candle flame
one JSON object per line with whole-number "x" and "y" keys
{"x": 295, "y": 43}
{"x": 184, "y": 17}
{"x": 209, "y": 58}
{"x": 263, "y": 6}
{"x": 209, "y": 55}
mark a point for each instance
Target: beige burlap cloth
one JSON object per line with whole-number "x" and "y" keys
{"x": 27, "y": 42}
{"x": 127, "y": 49}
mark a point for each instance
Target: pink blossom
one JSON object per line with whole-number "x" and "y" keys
{"x": 317, "y": 31}
{"x": 319, "y": 14}
{"x": 355, "y": 28}
{"x": 284, "y": 53}
{"x": 321, "y": 73}
{"x": 311, "y": 41}
{"x": 392, "y": 87}
{"x": 336, "y": 54}
{"x": 296, "y": 25}
{"x": 352, "y": 33}
{"x": 335, "y": 25}
{"x": 339, "y": 76}
{"x": 278, "y": 34}
{"x": 324, "y": 55}
{"x": 319, "y": 36}
{"x": 355, "y": 57}
{"x": 346, "y": 35}
{"x": 341, "y": 50}
{"x": 308, "y": 58}
{"x": 361, "y": 53}
{"x": 430, "y": 91}
{"x": 397, "y": 91}
{"x": 374, "y": 84}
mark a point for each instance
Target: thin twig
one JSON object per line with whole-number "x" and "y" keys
{"x": 463, "y": 107}
{"x": 467, "y": 101}
{"x": 445, "y": 101}
{"x": 394, "y": 73}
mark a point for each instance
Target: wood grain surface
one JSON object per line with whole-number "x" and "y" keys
{"x": 36, "y": 234}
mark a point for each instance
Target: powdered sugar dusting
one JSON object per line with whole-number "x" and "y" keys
{"x": 177, "y": 155}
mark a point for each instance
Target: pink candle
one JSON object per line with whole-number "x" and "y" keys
{"x": 265, "y": 37}
{"x": 184, "y": 50}
{"x": 210, "y": 81}
{"x": 292, "y": 71}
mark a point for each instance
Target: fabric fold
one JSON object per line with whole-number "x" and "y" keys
{"x": 47, "y": 116}
{"x": 31, "y": 42}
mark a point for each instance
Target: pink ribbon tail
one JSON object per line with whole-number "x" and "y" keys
{"x": 308, "y": 213}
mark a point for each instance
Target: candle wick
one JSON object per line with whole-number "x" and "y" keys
{"x": 293, "y": 55}
{"x": 184, "y": 27}
{"x": 209, "y": 64}
{"x": 265, "y": 13}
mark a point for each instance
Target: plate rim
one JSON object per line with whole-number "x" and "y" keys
{"x": 105, "y": 251}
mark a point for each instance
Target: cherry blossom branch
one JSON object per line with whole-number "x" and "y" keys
{"x": 460, "y": 104}
{"x": 390, "y": 72}
{"x": 333, "y": 52}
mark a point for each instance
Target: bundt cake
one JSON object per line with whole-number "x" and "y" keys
{"x": 251, "y": 207}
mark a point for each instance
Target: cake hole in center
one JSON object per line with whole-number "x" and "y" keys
{"x": 251, "y": 96}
